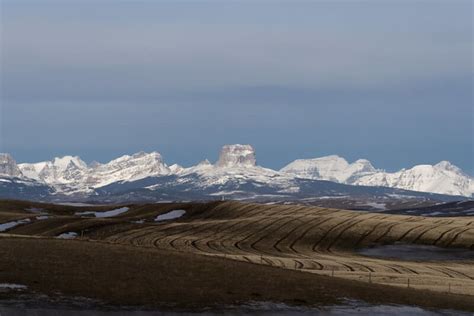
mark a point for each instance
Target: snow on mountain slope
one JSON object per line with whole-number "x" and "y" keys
{"x": 331, "y": 168}
{"x": 237, "y": 165}
{"x": 8, "y": 166}
{"x": 71, "y": 175}
{"x": 443, "y": 178}
{"x": 235, "y": 169}
{"x": 32, "y": 170}
{"x": 128, "y": 168}
{"x": 67, "y": 173}
{"x": 14, "y": 185}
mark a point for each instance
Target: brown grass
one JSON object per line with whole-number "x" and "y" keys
{"x": 126, "y": 275}
{"x": 313, "y": 240}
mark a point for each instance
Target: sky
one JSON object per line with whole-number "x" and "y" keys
{"x": 389, "y": 81}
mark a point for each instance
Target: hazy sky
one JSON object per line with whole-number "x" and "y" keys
{"x": 390, "y": 81}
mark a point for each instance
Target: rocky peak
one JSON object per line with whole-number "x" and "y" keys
{"x": 68, "y": 162}
{"x": 8, "y": 166}
{"x": 446, "y": 165}
{"x": 363, "y": 165}
{"x": 205, "y": 162}
{"x": 237, "y": 155}
{"x": 175, "y": 168}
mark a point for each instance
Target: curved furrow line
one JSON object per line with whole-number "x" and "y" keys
{"x": 190, "y": 244}
{"x": 389, "y": 229}
{"x": 222, "y": 248}
{"x": 266, "y": 222}
{"x": 456, "y": 236}
{"x": 407, "y": 232}
{"x": 279, "y": 262}
{"x": 414, "y": 241}
{"x": 392, "y": 268}
{"x": 238, "y": 243}
{"x": 368, "y": 233}
{"x": 228, "y": 243}
{"x": 407, "y": 269}
{"x": 332, "y": 229}
{"x": 290, "y": 233}
{"x": 350, "y": 268}
{"x": 304, "y": 233}
{"x": 316, "y": 264}
{"x": 162, "y": 236}
{"x": 270, "y": 218}
{"x": 194, "y": 232}
{"x": 299, "y": 264}
{"x": 441, "y": 271}
{"x": 169, "y": 241}
{"x": 221, "y": 227}
{"x": 276, "y": 245}
{"x": 364, "y": 267}
{"x": 443, "y": 234}
{"x": 262, "y": 237}
{"x": 345, "y": 228}
{"x": 268, "y": 261}
{"x": 462, "y": 274}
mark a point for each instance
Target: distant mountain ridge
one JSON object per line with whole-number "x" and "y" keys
{"x": 443, "y": 178}
{"x": 236, "y": 173}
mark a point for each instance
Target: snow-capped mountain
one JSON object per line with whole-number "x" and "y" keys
{"x": 71, "y": 175}
{"x": 331, "y": 168}
{"x": 442, "y": 178}
{"x": 14, "y": 185}
{"x": 235, "y": 174}
{"x": 237, "y": 165}
{"x": 128, "y": 168}
{"x": 237, "y": 155}
{"x": 65, "y": 174}
{"x": 67, "y": 169}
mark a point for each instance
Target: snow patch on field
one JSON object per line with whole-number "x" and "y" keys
{"x": 12, "y": 286}
{"x": 68, "y": 235}
{"x": 170, "y": 215}
{"x": 9, "y": 225}
{"x": 377, "y": 205}
{"x": 104, "y": 214}
{"x": 42, "y": 217}
{"x": 433, "y": 214}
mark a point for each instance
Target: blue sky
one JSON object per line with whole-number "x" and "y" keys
{"x": 390, "y": 81}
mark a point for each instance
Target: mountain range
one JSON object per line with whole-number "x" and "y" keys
{"x": 145, "y": 176}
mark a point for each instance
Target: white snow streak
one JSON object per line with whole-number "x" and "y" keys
{"x": 68, "y": 235}
{"x": 170, "y": 215}
{"x": 9, "y": 225}
{"x": 104, "y": 214}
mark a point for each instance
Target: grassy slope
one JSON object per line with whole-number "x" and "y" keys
{"x": 120, "y": 274}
